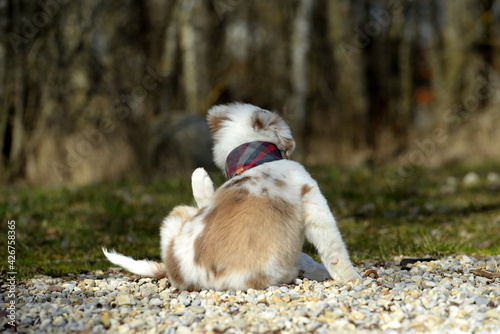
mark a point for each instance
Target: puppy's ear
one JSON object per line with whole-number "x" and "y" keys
{"x": 287, "y": 145}
{"x": 216, "y": 117}
{"x": 263, "y": 120}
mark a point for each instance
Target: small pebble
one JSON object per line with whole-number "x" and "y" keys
{"x": 155, "y": 302}
{"x": 123, "y": 299}
{"x": 197, "y": 309}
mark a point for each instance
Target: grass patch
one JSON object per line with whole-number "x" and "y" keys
{"x": 60, "y": 230}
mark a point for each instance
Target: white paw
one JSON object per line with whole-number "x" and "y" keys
{"x": 202, "y": 185}
{"x": 354, "y": 277}
{"x": 347, "y": 274}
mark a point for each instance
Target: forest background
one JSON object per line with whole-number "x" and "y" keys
{"x": 94, "y": 91}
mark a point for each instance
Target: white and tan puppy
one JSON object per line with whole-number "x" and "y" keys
{"x": 250, "y": 231}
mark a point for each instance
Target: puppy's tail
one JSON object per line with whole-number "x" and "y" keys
{"x": 139, "y": 267}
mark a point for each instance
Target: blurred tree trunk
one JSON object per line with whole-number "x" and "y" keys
{"x": 405, "y": 30}
{"x": 350, "y": 94}
{"x": 486, "y": 44}
{"x": 193, "y": 27}
{"x": 13, "y": 96}
{"x": 495, "y": 35}
{"x": 299, "y": 49}
{"x": 448, "y": 53}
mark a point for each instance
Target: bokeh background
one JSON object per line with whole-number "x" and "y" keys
{"x": 98, "y": 90}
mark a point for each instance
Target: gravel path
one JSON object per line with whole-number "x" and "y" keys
{"x": 448, "y": 295}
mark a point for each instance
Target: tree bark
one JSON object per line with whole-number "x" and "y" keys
{"x": 299, "y": 49}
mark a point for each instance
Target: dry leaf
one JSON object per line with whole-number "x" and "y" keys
{"x": 487, "y": 274}
{"x": 370, "y": 272}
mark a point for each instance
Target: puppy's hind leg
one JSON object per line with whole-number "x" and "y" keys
{"x": 203, "y": 188}
{"x": 170, "y": 232}
{"x": 172, "y": 225}
{"x": 311, "y": 269}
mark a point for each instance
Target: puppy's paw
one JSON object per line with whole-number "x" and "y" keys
{"x": 352, "y": 276}
{"x": 344, "y": 271}
{"x": 356, "y": 281}
{"x": 203, "y": 188}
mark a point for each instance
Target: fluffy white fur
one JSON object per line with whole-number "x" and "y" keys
{"x": 249, "y": 232}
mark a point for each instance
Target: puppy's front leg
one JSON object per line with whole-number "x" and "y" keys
{"x": 203, "y": 188}
{"x": 322, "y": 231}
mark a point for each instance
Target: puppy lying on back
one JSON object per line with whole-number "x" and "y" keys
{"x": 250, "y": 231}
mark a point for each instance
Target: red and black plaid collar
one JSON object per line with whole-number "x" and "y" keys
{"x": 249, "y": 155}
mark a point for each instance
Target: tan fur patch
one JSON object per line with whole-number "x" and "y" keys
{"x": 160, "y": 271}
{"x": 288, "y": 146}
{"x": 173, "y": 266}
{"x": 193, "y": 287}
{"x": 173, "y": 269}
{"x": 279, "y": 183}
{"x": 181, "y": 211}
{"x": 215, "y": 122}
{"x": 257, "y": 122}
{"x": 305, "y": 189}
{"x": 239, "y": 181}
{"x": 259, "y": 281}
{"x": 243, "y": 232}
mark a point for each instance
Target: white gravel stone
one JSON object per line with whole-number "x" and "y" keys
{"x": 438, "y": 297}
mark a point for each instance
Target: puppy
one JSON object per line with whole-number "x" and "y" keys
{"x": 250, "y": 231}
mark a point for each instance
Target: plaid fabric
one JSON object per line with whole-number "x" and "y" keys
{"x": 249, "y": 155}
